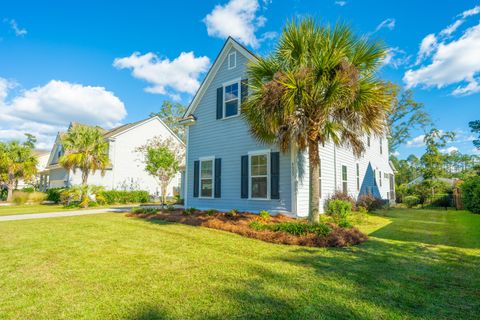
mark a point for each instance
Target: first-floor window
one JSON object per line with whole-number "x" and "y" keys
{"x": 358, "y": 177}
{"x": 259, "y": 176}
{"x": 344, "y": 179}
{"x": 320, "y": 178}
{"x": 206, "y": 178}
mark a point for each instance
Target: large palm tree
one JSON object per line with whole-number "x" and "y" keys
{"x": 85, "y": 149}
{"x": 319, "y": 85}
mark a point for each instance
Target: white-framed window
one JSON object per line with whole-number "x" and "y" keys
{"x": 381, "y": 146}
{"x": 319, "y": 178}
{"x": 231, "y": 99}
{"x": 259, "y": 175}
{"x": 232, "y": 60}
{"x": 358, "y": 176}
{"x": 207, "y": 168}
{"x": 368, "y": 141}
{"x": 344, "y": 179}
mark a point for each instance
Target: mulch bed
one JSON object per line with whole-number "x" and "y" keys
{"x": 240, "y": 224}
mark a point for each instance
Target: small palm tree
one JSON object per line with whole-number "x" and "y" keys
{"x": 85, "y": 149}
{"x": 319, "y": 85}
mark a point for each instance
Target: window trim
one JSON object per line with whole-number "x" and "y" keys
{"x": 258, "y": 153}
{"x": 234, "y": 54}
{"x": 345, "y": 181}
{"x": 200, "y": 160}
{"x": 238, "y": 81}
{"x": 357, "y": 167}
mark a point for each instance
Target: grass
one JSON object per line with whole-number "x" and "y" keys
{"x": 418, "y": 264}
{"x": 42, "y": 208}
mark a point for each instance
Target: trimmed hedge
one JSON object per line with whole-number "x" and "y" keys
{"x": 118, "y": 196}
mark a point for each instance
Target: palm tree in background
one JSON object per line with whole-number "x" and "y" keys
{"x": 319, "y": 85}
{"x": 85, "y": 149}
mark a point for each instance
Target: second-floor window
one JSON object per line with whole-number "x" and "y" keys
{"x": 231, "y": 99}
{"x": 381, "y": 146}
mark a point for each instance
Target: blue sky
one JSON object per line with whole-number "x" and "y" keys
{"x": 113, "y": 62}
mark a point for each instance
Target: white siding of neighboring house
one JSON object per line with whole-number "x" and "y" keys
{"x": 127, "y": 170}
{"x": 343, "y": 156}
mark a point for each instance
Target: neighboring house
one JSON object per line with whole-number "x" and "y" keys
{"x": 127, "y": 170}
{"x": 42, "y": 160}
{"x": 420, "y": 179}
{"x": 228, "y": 168}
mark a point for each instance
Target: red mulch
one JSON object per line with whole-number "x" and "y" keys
{"x": 239, "y": 224}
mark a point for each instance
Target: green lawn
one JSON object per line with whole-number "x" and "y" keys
{"x": 418, "y": 264}
{"x": 37, "y": 208}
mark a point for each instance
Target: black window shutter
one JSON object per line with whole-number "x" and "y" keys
{"x": 220, "y": 103}
{"x": 275, "y": 175}
{"x": 244, "y": 90}
{"x": 244, "y": 186}
{"x": 218, "y": 178}
{"x": 196, "y": 167}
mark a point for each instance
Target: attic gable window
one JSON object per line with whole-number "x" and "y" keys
{"x": 232, "y": 60}
{"x": 231, "y": 99}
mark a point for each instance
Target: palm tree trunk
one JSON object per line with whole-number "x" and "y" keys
{"x": 314, "y": 204}
{"x": 84, "y": 189}
{"x": 10, "y": 187}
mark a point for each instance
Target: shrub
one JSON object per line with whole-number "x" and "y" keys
{"x": 232, "y": 213}
{"x": 339, "y": 195}
{"x": 19, "y": 197}
{"x": 294, "y": 228}
{"x": 3, "y": 194}
{"x": 411, "y": 201}
{"x": 145, "y": 210}
{"x": 264, "y": 215}
{"x": 441, "y": 200}
{"x": 54, "y": 194}
{"x": 370, "y": 202}
{"x": 123, "y": 197}
{"x": 211, "y": 212}
{"x": 189, "y": 211}
{"x": 339, "y": 210}
{"x": 28, "y": 189}
{"x": 471, "y": 194}
{"x": 170, "y": 208}
{"x": 37, "y": 197}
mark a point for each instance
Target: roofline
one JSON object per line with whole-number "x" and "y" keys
{"x": 230, "y": 42}
{"x": 144, "y": 121}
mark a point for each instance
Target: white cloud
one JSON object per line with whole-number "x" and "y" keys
{"x": 396, "y": 57}
{"x": 45, "y": 110}
{"x": 387, "y": 23}
{"x": 449, "y": 61}
{"x": 167, "y": 77}
{"x": 341, "y": 3}
{"x": 449, "y": 149}
{"x": 238, "y": 19}
{"x": 20, "y": 32}
{"x": 395, "y": 153}
{"x": 416, "y": 142}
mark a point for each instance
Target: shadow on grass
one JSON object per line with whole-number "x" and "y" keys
{"x": 378, "y": 279}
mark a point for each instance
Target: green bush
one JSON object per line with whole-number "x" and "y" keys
{"x": 295, "y": 228}
{"x": 211, "y": 212}
{"x": 264, "y": 215}
{"x": 411, "y": 201}
{"x": 28, "y": 189}
{"x": 189, "y": 211}
{"x": 441, "y": 200}
{"x": 53, "y": 194}
{"x": 145, "y": 210}
{"x": 339, "y": 210}
{"x": 232, "y": 213}
{"x": 340, "y": 195}
{"x": 3, "y": 194}
{"x": 170, "y": 208}
{"x": 20, "y": 197}
{"x": 471, "y": 194}
{"x": 123, "y": 197}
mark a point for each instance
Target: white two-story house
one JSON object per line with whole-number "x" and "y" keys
{"x": 127, "y": 169}
{"x": 227, "y": 168}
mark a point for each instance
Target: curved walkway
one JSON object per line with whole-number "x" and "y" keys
{"x": 62, "y": 214}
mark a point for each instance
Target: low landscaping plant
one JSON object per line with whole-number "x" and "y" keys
{"x": 411, "y": 201}
{"x": 189, "y": 211}
{"x": 370, "y": 202}
{"x": 123, "y": 197}
{"x": 339, "y": 210}
{"x": 36, "y": 197}
{"x": 145, "y": 210}
{"x": 211, "y": 212}
{"x": 264, "y": 215}
{"x": 340, "y": 195}
{"x": 20, "y": 197}
{"x": 53, "y": 194}
{"x": 231, "y": 213}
